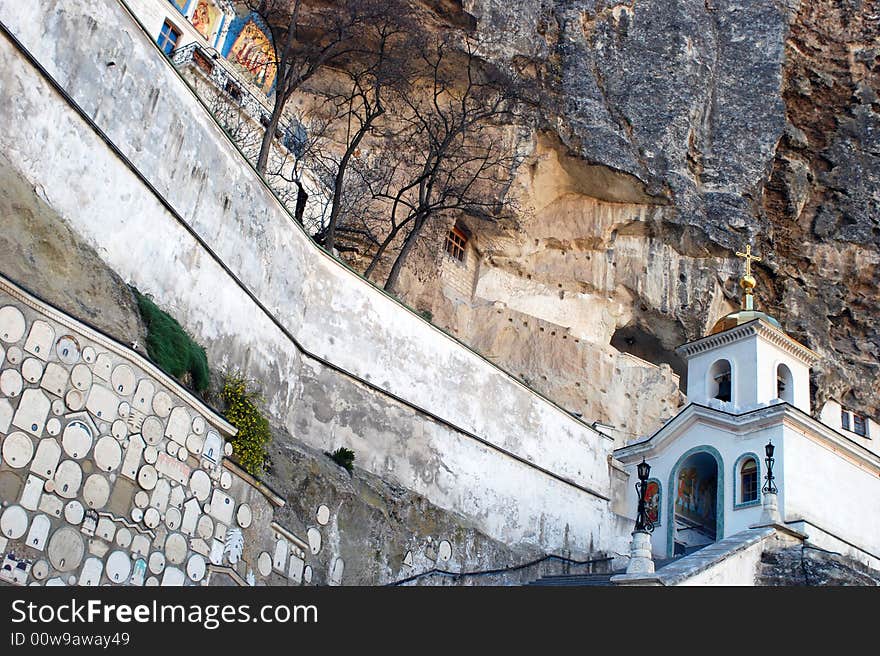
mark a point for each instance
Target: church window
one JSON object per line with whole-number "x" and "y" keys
{"x": 720, "y": 382}
{"x": 168, "y": 37}
{"x": 456, "y": 240}
{"x": 749, "y": 481}
{"x": 784, "y": 384}
{"x": 723, "y": 387}
{"x": 652, "y": 501}
{"x": 860, "y": 426}
{"x": 854, "y": 422}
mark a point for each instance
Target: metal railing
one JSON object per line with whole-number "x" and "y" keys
{"x": 221, "y": 74}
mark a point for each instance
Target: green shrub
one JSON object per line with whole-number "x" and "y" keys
{"x": 242, "y": 411}
{"x": 171, "y": 347}
{"x": 342, "y": 457}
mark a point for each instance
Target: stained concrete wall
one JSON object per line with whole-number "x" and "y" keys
{"x": 233, "y": 228}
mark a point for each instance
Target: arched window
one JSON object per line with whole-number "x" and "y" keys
{"x": 719, "y": 381}
{"x": 784, "y": 384}
{"x": 748, "y": 479}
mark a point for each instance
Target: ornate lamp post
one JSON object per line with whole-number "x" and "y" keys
{"x": 640, "y": 561}
{"x": 770, "y": 515}
{"x": 769, "y": 485}
{"x": 642, "y": 521}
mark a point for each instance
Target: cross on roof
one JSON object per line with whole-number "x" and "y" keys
{"x": 749, "y": 258}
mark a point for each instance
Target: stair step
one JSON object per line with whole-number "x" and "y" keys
{"x": 566, "y": 580}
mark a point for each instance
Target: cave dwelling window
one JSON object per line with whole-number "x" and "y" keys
{"x": 456, "y": 241}
{"x": 168, "y": 37}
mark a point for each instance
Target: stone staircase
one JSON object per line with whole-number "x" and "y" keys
{"x": 588, "y": 580}
{"x": 574, "y": 580}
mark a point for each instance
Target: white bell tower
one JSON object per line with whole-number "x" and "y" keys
{"x": 747, "y": 361}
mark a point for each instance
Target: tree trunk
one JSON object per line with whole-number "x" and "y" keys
{"x": 381, "y": 251}
{"x": 269, "y": 135}
{"x": 402, "y": 255}
{"x": 301, "y": 197}
{"x": 336, "y": 207}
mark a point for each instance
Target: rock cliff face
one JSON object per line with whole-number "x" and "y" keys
{"x": 678, "y": 132}
{"x": 813, "y": 567}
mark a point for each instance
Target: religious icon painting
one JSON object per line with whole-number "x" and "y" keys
{"x": 253, "y": 54}
{"x": 652, "y": 502}
{"x": 206, "y": 18}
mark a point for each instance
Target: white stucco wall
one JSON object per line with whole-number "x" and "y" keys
{"x": 154, "y": 13}
{"x": 152, "y": 117}
{"x": 740, "y": 568}
{"x": 769, "y": 357}
{"x": 731, "y": 444}
{"x": 831, "y": 490}
{"x": 754, "y": 361}
{"x": 830, "y": 416}
{"x": 824, "y": 540}
{"x": 819, "y": 480}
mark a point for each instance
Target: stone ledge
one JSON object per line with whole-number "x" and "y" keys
{"x": 701, "y": 560}
{"x": 782, "y": 528}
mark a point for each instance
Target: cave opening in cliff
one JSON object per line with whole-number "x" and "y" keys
{"x": 637, "y": 341}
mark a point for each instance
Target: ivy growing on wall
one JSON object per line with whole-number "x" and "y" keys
{"x": 171, "y": 347}
{"x": 243, "y": 403}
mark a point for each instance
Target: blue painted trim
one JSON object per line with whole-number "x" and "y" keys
{"x": 659, "y": 521}
{"x": 719, "y": 496}
{"x": 737, "y": 477}
{"x": 237, "y": 25}
{"x": 185, "y": 10}
{"x": 219, "y": 30}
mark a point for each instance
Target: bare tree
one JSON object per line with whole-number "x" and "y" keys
{"x": 375, "y": 74}
{"x": 286, "y": 168}
{"x": 306, "y": 36}
{"x": 297, "y": 170}
{"x": 450, "y": 155}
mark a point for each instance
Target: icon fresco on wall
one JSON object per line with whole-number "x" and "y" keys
{"x": 206, "y": 17}
{"x": 652, "y": 502}
{"x": 180, "y": 4}
{"x": 696, "y": 497}
{"x": 252, "y": 52}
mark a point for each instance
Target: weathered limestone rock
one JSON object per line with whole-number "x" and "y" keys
{"x": 808, "y": 566}
{"x": 674, "y": 133}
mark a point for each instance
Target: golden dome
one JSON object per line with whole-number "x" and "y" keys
{"x": 740, "y": 317}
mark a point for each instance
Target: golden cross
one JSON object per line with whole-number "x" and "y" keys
{"x": 749, "y": 258}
